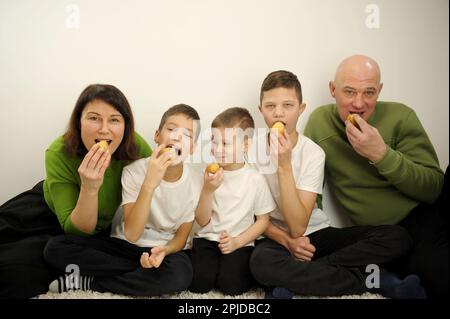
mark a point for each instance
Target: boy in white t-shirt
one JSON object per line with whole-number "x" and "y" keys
{"x": 145, "y": 255}
{"x": 230, "y": 201}
{"x": 302, "y": 254}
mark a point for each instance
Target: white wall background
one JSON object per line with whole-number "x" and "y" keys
{"x": 211, "y": 54}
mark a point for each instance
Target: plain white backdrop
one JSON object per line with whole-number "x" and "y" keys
{"x": 210, "y": 54}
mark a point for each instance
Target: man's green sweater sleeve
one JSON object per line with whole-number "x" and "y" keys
{"x": 411, "y": 165}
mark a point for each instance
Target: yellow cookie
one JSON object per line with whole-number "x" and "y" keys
{"x": 212, "y": 168}
{"x": 104, "y": 145}
{"x": 351, "y": 119}
{"x": 279, "y": 126}
{"x": 166, "y": 149}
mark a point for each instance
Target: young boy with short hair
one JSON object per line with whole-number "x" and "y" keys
{"x": 230, "y": 201}
{"x": 302, "y": 253}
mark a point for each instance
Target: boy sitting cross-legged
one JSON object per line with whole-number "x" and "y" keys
{"x": 230, "y": 200}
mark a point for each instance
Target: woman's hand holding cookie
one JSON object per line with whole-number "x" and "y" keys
{"x": 92, "y": 168}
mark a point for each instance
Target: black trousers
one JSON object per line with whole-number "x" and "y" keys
{"x": 26, "y": 224}
{"x": 428, "y": 227}
{"x": 339, "y": 264}
{"x": 229, "y": 273}
{"x": 115, "y": 265}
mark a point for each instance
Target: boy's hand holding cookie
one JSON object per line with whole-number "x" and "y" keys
{"x": 281, "y": 148}
{"x": 212, "y": 168}
{"x": 213, "y": 181}
{"x": 158, "y": 163}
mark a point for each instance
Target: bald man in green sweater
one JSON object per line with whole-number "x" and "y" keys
{"x": 383, "y": 169}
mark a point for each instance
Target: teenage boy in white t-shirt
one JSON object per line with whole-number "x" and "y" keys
{"x": 145, "y": 255}
{"x": 230, "y": 201}
{"x": 301, "y": 253}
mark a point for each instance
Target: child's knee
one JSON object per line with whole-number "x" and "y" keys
{"x": 234, "y": 286}
{"x": 202, "y": 282}
{"x": 175, "y": 282}
{"x": 259, "y": 266}
{"x": 181, "y": 278}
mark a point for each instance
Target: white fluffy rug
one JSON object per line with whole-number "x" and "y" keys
{"x": 252, "y": 294}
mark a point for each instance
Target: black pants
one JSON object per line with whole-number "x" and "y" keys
{"x": 229, "y": 273}
{"x": 115, "y": 265}
{"x": 26, "y": 224}
{"x": 428, "y": 227}
{"x": 339, "y": 263}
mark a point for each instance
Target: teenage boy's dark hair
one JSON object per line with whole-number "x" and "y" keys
{"x": 73, "y": 145}
{"x": 281, "y": 79}
{"x": 185, "y": 109}
{"x": 234, "y": 116}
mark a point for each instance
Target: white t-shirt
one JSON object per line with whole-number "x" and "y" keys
{"x": 308, "y": 162}
{"x": 173, "y": 204}
{"x": 242, "y": 195}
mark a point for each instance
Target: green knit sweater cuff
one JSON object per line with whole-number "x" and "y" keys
{"x": 389, "y": 163}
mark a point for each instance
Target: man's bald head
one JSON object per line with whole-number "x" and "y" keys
{"x": 358, "y": 65}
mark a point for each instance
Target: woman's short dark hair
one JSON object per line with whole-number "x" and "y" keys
{"x": 127, "y": 150}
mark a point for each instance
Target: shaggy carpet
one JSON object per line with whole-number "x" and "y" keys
{"x": 252, "y": 294}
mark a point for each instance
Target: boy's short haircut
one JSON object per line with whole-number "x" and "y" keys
{"x": 232, "y": 117}
{"x": 281, "y": 79}
{"x": 185, "y": 109}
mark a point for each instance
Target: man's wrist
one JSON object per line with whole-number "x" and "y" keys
{"x": 380, "y": 156}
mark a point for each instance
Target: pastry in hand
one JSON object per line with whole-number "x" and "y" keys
{"x": 165, "y": 150}
{"x": 104, "y": 145}
{"x": 170, "y": 148}
{"x": 351, "y": 119}
{"x": 279, "y": 126}
{"x": 212, "y": 168}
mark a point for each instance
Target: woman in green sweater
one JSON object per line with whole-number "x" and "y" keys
{"x": 80, "y": 194}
